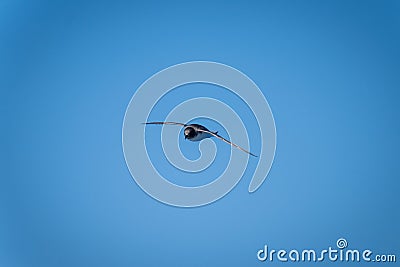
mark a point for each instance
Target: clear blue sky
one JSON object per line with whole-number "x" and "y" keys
{"x": 330, "y": 72}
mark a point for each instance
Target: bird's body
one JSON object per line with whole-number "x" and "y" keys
{"x": 197, "y": 132}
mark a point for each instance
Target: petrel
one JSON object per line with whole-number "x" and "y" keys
{"x": 197, "y": 132}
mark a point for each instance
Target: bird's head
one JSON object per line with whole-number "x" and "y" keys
{"x": 189, "y": 132}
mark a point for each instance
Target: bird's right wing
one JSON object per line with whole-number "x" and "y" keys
{"x": 227, "y": 141}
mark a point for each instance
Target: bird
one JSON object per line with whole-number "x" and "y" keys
{"x": 196, "y": 132}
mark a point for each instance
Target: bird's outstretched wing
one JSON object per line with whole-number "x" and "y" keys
{"x": 166, "y": 122}
{"x": 226, "y": 141}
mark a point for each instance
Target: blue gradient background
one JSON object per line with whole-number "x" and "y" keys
{"x": 329, "y": 69}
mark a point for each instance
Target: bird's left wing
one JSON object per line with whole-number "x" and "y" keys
{"x": 166, "y": 123}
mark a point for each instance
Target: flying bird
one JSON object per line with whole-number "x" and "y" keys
{"x": 197, "y": 132}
